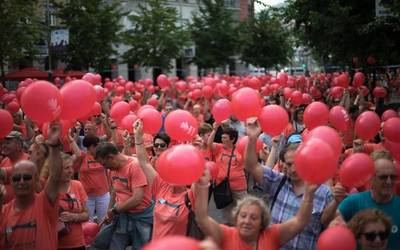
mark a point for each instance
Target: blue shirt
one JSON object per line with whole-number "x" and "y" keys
{"x": 287, "y": 205}
{"x": 360, "y": 201}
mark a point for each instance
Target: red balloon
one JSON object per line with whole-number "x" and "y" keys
{"x": 128, "y": 121}
{"x": 356, "y": 170}
{"x": 42, "y": 102}
{"x": 287, "y": 93}
{"x": 316, "y": 114}
{"x": 221, "y": 110}
{"x": 246, "y": 103}
{"x": 173, "y": 242}
{"x": 153, "y": 102}
{"x": 315, "y": 161}
{"x": 273, "y": 119}
{"x": 388, "y": 114}
{"x": 343, "y": 80}
{"x": 222, "y": 89}
{"x": 6, "y": 123}
{"x": 174, "y": 168}
{"x": 358, "y": 79}
{"x": 119, "y": 110}
{"x": 282, "y": 78}
{"x": 134, "y": 105}
{"x": 152, "y": 120}
{"x": 13, "y": 107}
{"x": 327, "y": 134}
{"x": 367, "y": 125}
{"x": 379, "y": 92}
{"x": 100, "y": 94}
{"x": 296, "y": 98}
{"x": 207, "y": 92}
{"x": 213, "y": 168}
{"x": 181, "y": 85}
{"x": 339, "y": 118}
{"x": 90, "y": 231}
{"x": 96, "y": 110}
{"x": 337, "y": 92}
{"x": 79, "y": 97}
{"x": 129, "y": 86}
{"x": 393, "y": 148}
{"x": 163, "y": 82}
{"x": 181, "y": 125}
{"x": 391, "y": 129}
{"x": 90, "y": 77}
{"x": 364, "y": 90}
{"x": 254, "y": 83}
{"x": 307, "y": 99}
{"x": 337, "y": 237}
{"x": 241, "y": 145}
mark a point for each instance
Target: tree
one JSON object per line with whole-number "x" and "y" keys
{"x": 20, "y": 30}
{"x": 155, "y": 38}
{"x": 265, "y": 41}
{"x": 94, "y": 29}
{"x": 214, "y": 34}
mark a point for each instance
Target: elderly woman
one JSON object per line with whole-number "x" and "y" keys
{"x": 371, "y": 228}
{"x": 251, "y": 218}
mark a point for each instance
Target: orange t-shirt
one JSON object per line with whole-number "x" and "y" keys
{"x": 170, "y": 211}
{"x": 32, "y": 228}
{"x": 8, "y": 165}
{"x": 268, "y": 239}
{"x": 100, "y": 130}
{"x": 73, "y": 201}
{"x": 93, "y": 176}
{"x": 207, "y": 154}
{"x": 126, "y": 179}
{"x": 237, "y": 178}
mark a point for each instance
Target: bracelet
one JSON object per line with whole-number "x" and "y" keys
{"x": 140, "y": 143}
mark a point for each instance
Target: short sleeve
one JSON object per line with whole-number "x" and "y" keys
{"x": 156, "y": 185}
{"x": 347, "y": 208}
{"x": 270, "y": 237}
{"x": 82, "y": 193}
{"x": 271, "y": 180}
{"x": 138, "y": 179}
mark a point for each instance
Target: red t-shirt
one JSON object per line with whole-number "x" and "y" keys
{"x": 126, "y": 179}
{"x": 100, "y": 130}
{"x": 93, "y": 176}
{"x": 73, "y": 201}
{"x": 237, "y": 178}
{"x": 269, "y": 239}
{"x": 32, "y": 228}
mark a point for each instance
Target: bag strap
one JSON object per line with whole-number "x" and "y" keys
{"x": 277, "y": 191}
{"x": 188, "y": 203}
{"x": 230, "y": 161}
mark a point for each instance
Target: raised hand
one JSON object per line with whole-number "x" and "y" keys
{"x": 253, "y": 129}
{"x": 138, "y": 130}
{"x": 339, "y": 192}
{"x": 54, "y": 134}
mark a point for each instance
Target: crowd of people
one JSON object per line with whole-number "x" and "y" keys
{"x": 96, "y": 185}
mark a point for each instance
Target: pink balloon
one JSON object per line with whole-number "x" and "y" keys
{"x": 174, "y": 242}
{"x": 173, "y": 165}
{"x": 152, "y": 120}
{"x": 241, "y": 145}
{"x": 316, "y": 114}
{"x": 391, "y": 129}
{"x": 90, "y": 77}
{"x": 207, "y": 92}
{"x": 273, "y": 119}
{"x": 181, "y": 125}
{"x": 339, "y": 118}
{"x": 221, "y": 110}
{"x": 246, "y": 103}
{"x": 388, "y": 114}
{"x": 100, "y": 94}
{"x": 78, "y": 97}
{"x": 42, "y": 102}
{"x": 119, "y": 110}
{"x": 163, "y": 82}
{"x": 337, "y": 237}
{"x": 356, "y": 170}
{"x": 128, "y": 121}
{"x": 367, "y": 125}
{"x": 329, "y": 135}
{"x": 6, "y": 123}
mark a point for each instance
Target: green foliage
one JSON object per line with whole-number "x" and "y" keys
{"x": 20, "y": 30}
{"x": 214, "y": 34}
{"x": 155, "y": 37}
{"x": 94, "y": 27}
{"x": 265, "y": 41}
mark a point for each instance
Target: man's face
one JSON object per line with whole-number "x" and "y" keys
{"x": 358, "y": 146}
{"x": 96, "y": 119}
{"x": 289, "y": 166}
{"x": 109, "y": 162}
{"x": 23, "y": 179}
{"x": 90, "y": 129}
{"x": 168, "y": 108}
{"x": 385, "y": 177}
{"x": 10, "y": 145}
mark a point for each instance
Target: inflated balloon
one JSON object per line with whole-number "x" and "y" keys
{"x": 196, "y": 94}
{"x": 90, "y": 231}
{"x": 364, "y": 90}
{"x": 134, "y": 105}
{"x": 119, "y": 110}
{"x": 391, "y": 129}
{"x": 128, "y": 121}
{"x": 390, "y": 113}
{"x": 96, "y": 110}
{"x": 367, "y": 125}
{"x": 337, "y": 237}
{"x": 315, "y": 161}
{"x": 339, "y": 118}
{"x": 42, "y": 102}
{"x": 99, "y": 93}
{"x": 78, "y": 97}
{"x": 213, "y": 169}
{"x": 181, "y": 165}
{"x": 358, "y": 79}
{"x": 222, "y": 89}
{"x": 181, "y": 85}
{"x": 241, "y": 145}
{"x": 273, "y": 119}
{"x": 337, "y": 92}
{"x": 246, "y": 103}
{"x": 221, "y": 110}
{"x": 356, "y": 170}
{"x": 287, "y": 93}
{"x": 6, "y": 123}
{"x": 207, "y": 92}
{"x": 90, "y": 77}
{"x": 329, "y": 135}
{"x": 282, "y": 78}
{"x": 152, "y": 120}
{"x": 316, "y": 114}
{"x": 174, "y": 242}
{"x": 153, "y": 102}
{"x": 296, "y": 98}
{"x": 379, "y": 92}
{"x": 181, "y": 125}
{"x": 343, "y": 80}
{"x": 393, "y": 148}
{"x": 13, "y": 107}
{"x": 163, "y": 82}
{"x": 254, "y": 83}
{"x": 307, "y": 99}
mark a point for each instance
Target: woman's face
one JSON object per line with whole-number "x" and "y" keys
{"x": 159, "y": 146}
{"x": 374, "y": 237}
{"x": 68, "y": 171}
{"x": 300, "y": 115}
{"x": 249, "y": 221}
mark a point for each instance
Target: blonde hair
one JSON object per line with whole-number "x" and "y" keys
{"x": 381, "y": 154}
{"x": 252, "y": 200}
{"x": 45, "y": 171}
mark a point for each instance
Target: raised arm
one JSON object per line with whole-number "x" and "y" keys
{"x": 2, "y": 194}
{"x": 211, "y": 138}
{"x": 294, "y": 226}
{"x": 106, "y": 126}
{"x": 207, "y": 224}
{"x": 330, "y": 212}
{"x": 273, "y": 155}
{"x": 250, "y": 159}
{"x": 141, "y": 153}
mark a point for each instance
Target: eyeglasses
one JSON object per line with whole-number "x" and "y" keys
{"x": 392, "y": 177}
{"x": 371, "y": 236}
{"x": 18, "y": 177}
{"x": 159, "y": 145}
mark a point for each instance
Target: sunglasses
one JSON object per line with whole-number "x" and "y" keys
{"x": 371, "y": 236}
{"x": 385, "y": 177}
{"x": 159, "y": 145}
{"x": 18, "y": 177}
